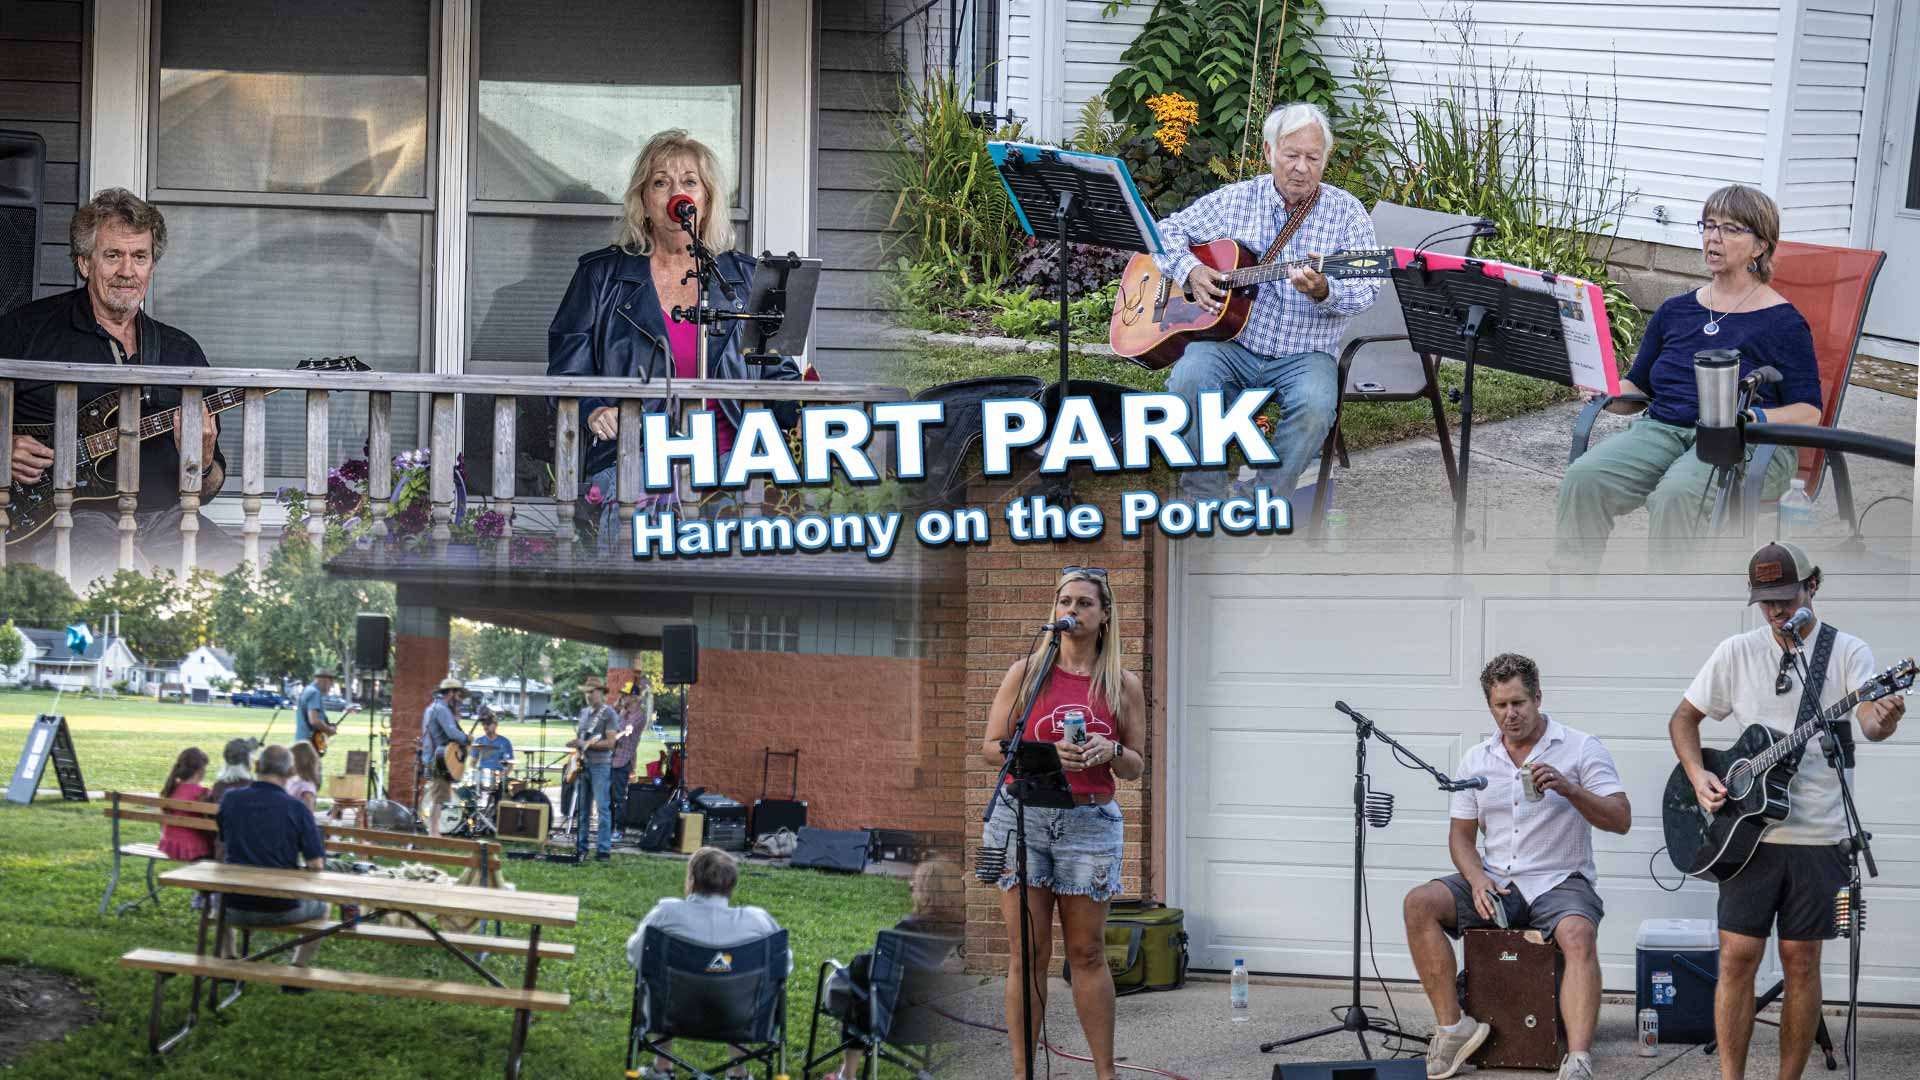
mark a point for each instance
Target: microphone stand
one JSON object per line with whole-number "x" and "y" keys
{"x": 1375, "y": 810}
{"x": 1019, "y": 800}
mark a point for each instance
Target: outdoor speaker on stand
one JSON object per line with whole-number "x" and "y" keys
{"x": 372, "y": 644}
{"x": 23, "y": 187}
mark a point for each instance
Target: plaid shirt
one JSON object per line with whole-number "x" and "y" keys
{"x": 1284, "y": 320}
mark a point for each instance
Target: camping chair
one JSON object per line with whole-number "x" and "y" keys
{"x": 1830, "y": 287}
{"x": 887, "y": 1018}
{"x": 1373, "y": 352}
{"x": 735, "y": 995}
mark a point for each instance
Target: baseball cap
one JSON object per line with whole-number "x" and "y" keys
{"x": 1777, "y": 571}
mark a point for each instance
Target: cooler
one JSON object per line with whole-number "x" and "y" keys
{"x": 1677, "y": 962}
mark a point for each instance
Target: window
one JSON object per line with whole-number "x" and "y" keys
{"x": 763, "y": 632}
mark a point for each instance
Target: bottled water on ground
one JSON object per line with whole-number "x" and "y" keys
{"x": 1237, "y": 991}
{"x": 1796, "y": 509}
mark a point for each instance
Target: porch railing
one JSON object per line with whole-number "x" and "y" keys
{"x": 442, "y": 392}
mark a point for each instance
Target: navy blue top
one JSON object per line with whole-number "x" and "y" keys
{"x": 262, "y": 825}
{"x": 1776, "y": 335}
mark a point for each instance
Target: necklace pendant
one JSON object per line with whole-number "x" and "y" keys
{"x": 1711, "y": 328}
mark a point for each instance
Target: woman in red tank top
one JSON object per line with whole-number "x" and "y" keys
{"x": 1073, "y": 855}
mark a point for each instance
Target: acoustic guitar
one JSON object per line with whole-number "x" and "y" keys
{"x": 577, "y": 759}
{"x": 97, "y": 448}
{"x": 1756, "y": 771}
{"x": 1153, "y": 319}
{"x": 453, "y": 756}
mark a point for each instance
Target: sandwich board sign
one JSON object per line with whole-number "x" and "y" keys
{"x": 48, "y": 740}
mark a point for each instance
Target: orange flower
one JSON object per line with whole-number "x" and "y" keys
{"x": 1176, "y": 115}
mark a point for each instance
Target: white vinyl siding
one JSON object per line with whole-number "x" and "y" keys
{"x": 1828, "y": 98}
{"x": 1055, "y": 59}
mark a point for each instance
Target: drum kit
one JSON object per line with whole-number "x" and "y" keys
{"x": 475, "y": 804}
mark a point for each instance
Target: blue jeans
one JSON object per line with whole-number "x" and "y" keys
{"x": 1308, "y": 389}
{"x": 594, "y": 791}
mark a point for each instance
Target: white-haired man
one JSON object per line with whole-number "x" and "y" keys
{"x": 1294, "y": 325}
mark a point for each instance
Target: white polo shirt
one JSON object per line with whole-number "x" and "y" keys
{"x": 1535, "y": 846}
{"x": 1737, "y": 682}
{"x": 705, "y": 920}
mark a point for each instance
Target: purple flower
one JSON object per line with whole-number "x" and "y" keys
{"x": 528, "y": 547}
{"x": 341, "y": 497}
{"x": 594, "y": 497}
{"x": 413, "y": 519}
{"x": 490, "y": 525}
{"x": 353, "y": 470}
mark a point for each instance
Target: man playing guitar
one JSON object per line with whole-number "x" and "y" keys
{"x": 1293, "y": 328}
{"x": 1798, "y": 866}
{"x": 310, "y": 722}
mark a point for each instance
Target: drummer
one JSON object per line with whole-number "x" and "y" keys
{"x": 492, "y": 752}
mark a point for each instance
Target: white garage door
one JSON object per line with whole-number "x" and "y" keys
{"x": 1260, "y": 825}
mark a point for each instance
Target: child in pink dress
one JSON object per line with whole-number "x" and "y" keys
{"x": 183, "y": 782}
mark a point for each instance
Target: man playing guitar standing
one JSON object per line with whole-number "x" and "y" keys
{"x": 1293, "y": 327}
{"x": 1798, "y": 866}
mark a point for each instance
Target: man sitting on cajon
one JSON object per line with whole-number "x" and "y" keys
{"x": 1547, "y": 787}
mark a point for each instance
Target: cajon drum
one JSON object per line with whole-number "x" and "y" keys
{"x": 692, "y": 831}
{"x": 1513, "y": 986}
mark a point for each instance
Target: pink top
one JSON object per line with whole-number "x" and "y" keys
{"x": 1047, "y": 723}
{"x": 299, "y": 786}
{"x": 183, "y": 843}
{"x": 686, "y": 353}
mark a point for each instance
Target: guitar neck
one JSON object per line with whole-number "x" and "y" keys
{"x": 1276, "y": 271}
{"x": 106, "y": 442}
{"x": 1799, "y": 737}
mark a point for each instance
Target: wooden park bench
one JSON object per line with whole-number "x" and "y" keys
{"x": 152, "y": 809}
{"x": 378, "y": 898}
{"x": 480, "y": 856}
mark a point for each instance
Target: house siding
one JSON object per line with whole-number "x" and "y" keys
{"x": 1058, "y": 57}
{"x": 1827, "y": 113}
{"x": 42, "y": 87}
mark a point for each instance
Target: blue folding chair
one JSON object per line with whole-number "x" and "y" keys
{"x": 735, "y": 995}
{"x": 887, "y": 1019}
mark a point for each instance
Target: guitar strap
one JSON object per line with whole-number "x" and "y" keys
{"x": 1810, "y": 696}
{"x": 1292, "y": 225}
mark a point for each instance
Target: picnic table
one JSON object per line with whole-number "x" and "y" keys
{"x": 377, "y": 897}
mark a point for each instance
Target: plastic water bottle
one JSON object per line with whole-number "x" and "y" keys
{"x": 1796, "y": 510}
{"x": 1335, "y": 530}
{"x": 1237, "y": 991}
{"x": 1649, "y": 1033}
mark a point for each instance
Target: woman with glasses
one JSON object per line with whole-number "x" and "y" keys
{"x": 1652, "y": 462}
{"x": 1095, "y": 714}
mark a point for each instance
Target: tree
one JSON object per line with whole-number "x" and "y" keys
{"x": 296, "y": 619}
{"x": 505, "y": 651}
{"x": 35, "y": 597}
{"x": 12, "y": 650}
{"x": 573, "y": 663}
{"x": 462, "y": 637}
{"x": 149, "y": 609}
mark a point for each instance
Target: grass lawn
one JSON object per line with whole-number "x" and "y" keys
{"x": 54, "y": 862}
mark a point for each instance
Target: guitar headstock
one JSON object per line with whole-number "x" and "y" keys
{"x": 333, "y": 363}
{"x": 1367, "y": 262}
{"x": 1894, "y": 680}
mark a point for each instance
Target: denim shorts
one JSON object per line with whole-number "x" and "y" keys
{"x": 1069, "y": 852}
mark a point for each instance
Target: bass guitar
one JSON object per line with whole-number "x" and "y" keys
{"x": 1756, "y": 771}
{"x": 577, "y": 759}
{"x": 1153, "y": 319}
{"x": 97, "y": 446}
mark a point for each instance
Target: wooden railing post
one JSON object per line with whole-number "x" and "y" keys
{"x": 66, "y": 425}
{"x": 318, "y": 436}
{"x": 253, "y": 472}
{"x": 192, "y": 426}
{"x": 566, "y": 470}
{"x": 506, "y": 412}
{"x": 127, "y": 469}
{"x": 442, "y": 446}
{"x": 6, "y": 463}
{"x": 380, "y": 464}
{"x": 627, "y": 473}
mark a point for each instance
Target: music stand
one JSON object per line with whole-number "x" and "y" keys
{"x": 779, "y": 307}
{"x": 1468, "y": 316}
{"x": 1088, "y": 198}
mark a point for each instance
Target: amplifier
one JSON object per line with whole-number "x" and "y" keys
{"x": 522, "y": 821}
{"x": 726, "y": 825}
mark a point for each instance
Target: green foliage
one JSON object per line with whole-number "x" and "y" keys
{"x": 506, "y": 652}
{"x": 956, "y": 221}
{"x": 36, "y": 597}
{"x": 295, "y": 619}
{"x": 1363, "y": 149}
{"x": 12, "y": 648}
{"x": 1236, "y": 59}
{"x": 573, "y": 663}
{"x": 1096, "y": 131}
{"x": 162, "y": 617}
{"x": 1169, "y": 182}
{"x": 1023, "y": 315}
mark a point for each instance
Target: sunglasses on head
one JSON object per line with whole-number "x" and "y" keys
{"x": 1090, "y": 571}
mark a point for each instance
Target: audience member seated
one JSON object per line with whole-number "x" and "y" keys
{"x": 707, "y": 916}
{"x": 236, "y": 769}
{"x": 305, "y": 784}
{"x": 183, "y": 782}
{"x": 262, "y": 825}
{"x": 935, "y": 889}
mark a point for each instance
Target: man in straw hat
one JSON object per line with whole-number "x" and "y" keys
{"x": 310, "y": 711}
{"x": 440, "y": 728}
{"x": 595, "y": 733}
{"x": 1788, "y": 885}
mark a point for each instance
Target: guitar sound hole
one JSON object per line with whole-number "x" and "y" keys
{"x": 1739, "y": 782}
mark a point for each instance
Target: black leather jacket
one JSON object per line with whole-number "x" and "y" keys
{"x": 610, "y": 324}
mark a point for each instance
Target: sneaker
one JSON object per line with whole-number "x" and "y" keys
{"x": 1450, "y": 1050}
{"x": 617, "y": 837}
{"x": 1578, "y": 1066}
{"x": 603, "y": 856}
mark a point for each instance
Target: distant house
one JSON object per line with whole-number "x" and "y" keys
{"x": 107, "y": 661}
{"x": 16, "y": 675}
{"x": 202, "y": 668}
{"x": 503, "y": 695}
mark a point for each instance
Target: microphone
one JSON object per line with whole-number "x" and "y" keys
{"x": 1801, "y": 621}
{"x": 1064, "y": 622}
{"x": 683, "y": 208}
{"x": 1343, "y": 707}
{"x": 1471, "y": 783}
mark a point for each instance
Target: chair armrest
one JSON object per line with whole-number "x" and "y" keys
{"x": 1756, "y": 478}
{"x": 1583, "y": 425}
{"x": 1352, "y": 347}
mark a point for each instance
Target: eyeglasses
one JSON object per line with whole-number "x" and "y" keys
{"x": 1090, "y": 571}
{"x": 1719, "y": 228}
{"x": 1783, "y": 682}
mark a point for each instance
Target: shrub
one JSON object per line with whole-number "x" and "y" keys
{"x": 1090, "y": 269}
{"x": 957, "y": 223}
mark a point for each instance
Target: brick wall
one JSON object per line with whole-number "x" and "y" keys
{"x": 418, "y": 666}
{"x": 1010, "y": 591}
{"x": 880, "y": 738}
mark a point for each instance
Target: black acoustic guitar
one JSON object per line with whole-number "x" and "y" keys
{"x": 31, "y": 507}
{"x": 1756, "y": 770}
